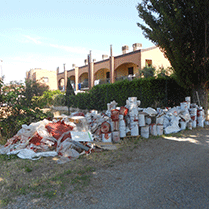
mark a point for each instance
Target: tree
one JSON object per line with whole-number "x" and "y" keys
{"x": 164, "y": 72}
{"x": 34, "y": 88}
{"x": 47, "y": 99}
{"x": 180, "y": 28}
{"x": 20, "y": 109}
{"x": 147, "y": 72}
{"x": 69, "y": 91}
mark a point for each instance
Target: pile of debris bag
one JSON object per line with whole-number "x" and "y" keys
{"x": 68, "y": 137}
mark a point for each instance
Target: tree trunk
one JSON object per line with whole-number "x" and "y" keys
{"x": 200, "y": 97}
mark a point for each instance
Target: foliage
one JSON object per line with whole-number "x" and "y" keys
{"x": 173, "y": 25}
{"x": 69, "y": 91}
{"x": 1, "y": 85}
{"x": 147, "y": 72}
{"x": 180, "y": 29}
{"x": 47, "y": 99}
{"x": 21, "y": 109}
{"x": 34, "y": 88}
{"x": 152, "y": 92}
{"x": 59, "y": 100}
{"x": 163, "y": 72}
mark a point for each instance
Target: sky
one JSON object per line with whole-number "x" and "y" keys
{"x": 48, "y": 33}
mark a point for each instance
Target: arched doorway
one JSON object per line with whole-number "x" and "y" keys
{"x": 126, "y": 71}
{"x": 102, "y": 76}
{"x": 83, "y": 81}
{"x": 61, "y": 84}
{"x": 72, "y": 81}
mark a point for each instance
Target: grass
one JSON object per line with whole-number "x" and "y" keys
{"x": 50, "y": 194}
{"x": 3, "y": 141}
{"x": 27, "y": 169}
{"x": 6, "y": 157}
{"x": 5, "y": 201}
{"x": 45, "y": 178}
{"x": 41, "y": 178}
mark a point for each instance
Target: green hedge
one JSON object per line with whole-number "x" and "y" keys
{"x": 152, "y": 92}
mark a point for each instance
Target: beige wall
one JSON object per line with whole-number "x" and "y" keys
{"x": 101, "y": 74}
{"x": 43, "y": 76}
{"x": 157, "y": 57}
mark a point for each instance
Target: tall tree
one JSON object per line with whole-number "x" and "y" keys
{"x": 69, "y": 91}
{"x": 181, "y": 29}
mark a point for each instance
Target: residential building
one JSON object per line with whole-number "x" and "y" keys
{"x": 112, "y": 68}
{"x": 43, "y": 76}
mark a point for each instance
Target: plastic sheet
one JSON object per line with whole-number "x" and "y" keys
{"x": 150, "y": 111}
{"x": 31, "y": 155}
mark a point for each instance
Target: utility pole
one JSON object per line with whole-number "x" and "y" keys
{"x": 1, "y": 70}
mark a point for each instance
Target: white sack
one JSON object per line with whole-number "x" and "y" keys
{"x": 150, "y": 111}
{"x": 174, "y": 127}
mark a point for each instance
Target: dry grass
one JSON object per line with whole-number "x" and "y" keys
{"x": 46, "y": 178}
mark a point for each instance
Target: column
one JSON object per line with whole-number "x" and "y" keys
{"x": 92, "y": 74}
{"x": 65, "y": 78}
{"x": 112, "y": 67}
{"x": 76, "y": 78}
{"x": 90, "y": 71}
{"x": 57, "y": 78}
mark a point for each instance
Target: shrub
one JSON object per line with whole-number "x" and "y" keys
{"x": 21, "y": 109}
{"x": 59, "y": 100}
{"x": 47, "y": 99}
{"x": 152, "y": 92}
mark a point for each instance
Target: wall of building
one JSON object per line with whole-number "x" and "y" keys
{"x": 136, "y": 59}
{"x": 157, "y": 57}
{"x": 70, "y": 73}
{"x": 131, "y": 57}
{"x": 101, "y": 74}
{"x": 83, "y": 69}
{"x": 43, "y": 76}
{"x": 122, "y": 70}
{"x": 105, "y": 64}
{"x": 83, "y": 77}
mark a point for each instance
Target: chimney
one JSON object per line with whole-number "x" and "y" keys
{"x": 136, "y": 46}
{"x": 86, "y": 62}
{"x": 104, "y": 56}
{"x": 125, "y": 48}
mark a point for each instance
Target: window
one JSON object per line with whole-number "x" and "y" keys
{"x": 130, "y": 70}
{"x": 107, "y": 74}
{"x": 45, "y": 79}
{"x": 148, "y": 63}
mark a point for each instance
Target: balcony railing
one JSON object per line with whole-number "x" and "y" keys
{"x": 101, "y": 81}
{"x": 129, "y": 77}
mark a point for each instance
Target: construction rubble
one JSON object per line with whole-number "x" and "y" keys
{"x": 68, "y": 137}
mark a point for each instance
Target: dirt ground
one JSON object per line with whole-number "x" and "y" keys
{"x": 133, "y": 176}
